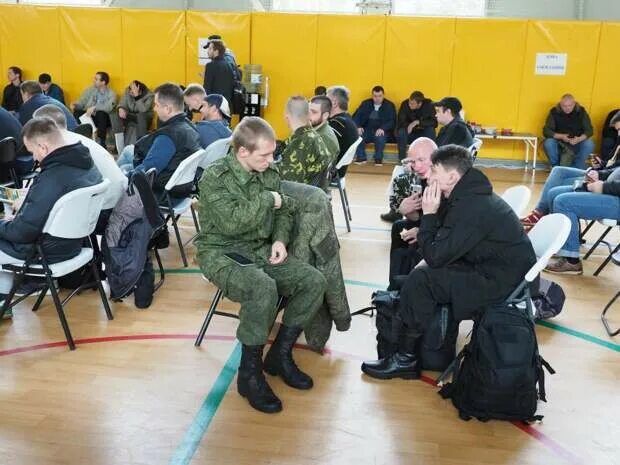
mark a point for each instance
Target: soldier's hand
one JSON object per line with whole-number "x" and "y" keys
{"x": 379, "y": 132}
{"x": 278, "y": 253}
{"x": 277, "y": 200}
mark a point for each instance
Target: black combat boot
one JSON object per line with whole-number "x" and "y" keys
{"x": 391, "y": 216}
{"x": 404, "y": 363}
{"x": 251, "y": 382}
{"x": 279, "y": 359}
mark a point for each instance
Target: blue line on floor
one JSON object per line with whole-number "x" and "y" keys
{"x": 184, "y": 453}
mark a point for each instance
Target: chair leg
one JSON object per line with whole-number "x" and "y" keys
{"x": 587, "y": 228}
{"x": 178, "y": 235}
{"x": 104, "y": 298}
{"x": 607, "y": 260}
{"x": 37, "y": 304}
{"x": 604, "y": 318}
{"x": 9, "y": 298}
{"x": 346, "y": 200}
{"x": 344, "y": 207}
{"x": 162, "y": 274}
{"x": 61, "y": 313}
{"x": 598, "y": 241}
{"x": 201, "y": 334}
{"x": 195, "y": 218}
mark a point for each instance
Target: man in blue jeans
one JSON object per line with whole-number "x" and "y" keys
{"x": 568, "y": 129}
{"x": 375, "y": 119}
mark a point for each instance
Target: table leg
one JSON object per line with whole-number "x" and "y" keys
{"x": 527, "y": 152}
{"x": 535, "y": 153}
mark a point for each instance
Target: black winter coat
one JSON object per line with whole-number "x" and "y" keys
{"x": 62, "y": 171}
{"x": 219, "y": 78}
{"x": 476, "y": 230}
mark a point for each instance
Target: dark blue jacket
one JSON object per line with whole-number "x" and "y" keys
{"x": 9, "y": 126}
{"x": 36, "y": 102}
{"x": 387, "y": 116}
{"x": 55, "y": 91}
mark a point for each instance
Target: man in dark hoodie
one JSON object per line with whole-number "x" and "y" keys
{"x": 475, "y": 253}
{"x": 416, "y": 118}
{"x": 454, "y": 130}
{"x": 64, "y": 168}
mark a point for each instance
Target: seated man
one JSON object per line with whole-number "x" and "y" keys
{"x": 454, "y": 130}
{"x": 375, "y": 119}
{"x": 11, "y": 96}
{"x": 416, "y": 118}
{"x": 11, "y": 127}
{"x": 341, "y": 122}
{"x": 33, "y": 98}
{"x": 242, "y": 210}
{"x": 475, "y": 251}
{"x": 50, "y": 89}
{"x": 103, "y": 160}
{"x": 611, "y": 135}
{"x": 320, "y": 109}
{"x": 214, "y": 112}
{"x": 175, "y": 139}
{"x": 568, "y": 133}
{"x": 304, "y": 155}
{"x": 97, "y": 101}
{"x": 133, "y": 116}
{"x": 64, "y": 168}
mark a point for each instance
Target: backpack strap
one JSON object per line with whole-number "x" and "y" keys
{"x": 540, "y": 364}
{"x": 451, "y": 370}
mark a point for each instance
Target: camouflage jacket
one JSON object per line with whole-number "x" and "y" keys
{"x": 331, "y": 140}
{"x": 237, "y": 215}
{"x": 304, "y": 156}
{"x": 401, "y": 188}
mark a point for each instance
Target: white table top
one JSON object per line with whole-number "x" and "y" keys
{"x": 516, "y": 135}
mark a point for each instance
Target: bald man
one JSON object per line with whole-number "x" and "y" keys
{"x": 304, "y": 156}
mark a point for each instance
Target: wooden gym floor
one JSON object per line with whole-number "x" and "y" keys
{"x": 136, "y": 390}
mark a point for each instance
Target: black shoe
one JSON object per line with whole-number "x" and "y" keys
{"x": 391, "y": 216}
{"x": 251, "y": 382}
{"x": 404, "y": 364}
{"x": 279, "y": 359}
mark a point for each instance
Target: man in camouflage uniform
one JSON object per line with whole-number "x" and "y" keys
{"x": 320, "y": 109}
{"x": 304, "y": 155}
{"x": 243, "y": 210}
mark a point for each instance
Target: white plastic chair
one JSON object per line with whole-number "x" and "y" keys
{"x": 184, "y": 174}
{"x": 474, "y": 148}
{"x": 215, "y": 151}
{"x": 517, "y": 197}
{"x": 74, "y": 216}
{"x": 339, "y": 182}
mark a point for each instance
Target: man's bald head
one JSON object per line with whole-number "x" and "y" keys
{"x": 419, "y": 156}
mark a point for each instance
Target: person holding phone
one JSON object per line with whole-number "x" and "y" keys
{"x": 246, "y": 223}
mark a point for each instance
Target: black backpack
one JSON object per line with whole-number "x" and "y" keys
{"x": 500, "y": 375}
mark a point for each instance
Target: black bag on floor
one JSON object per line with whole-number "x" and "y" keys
{"x": 499, "y": 373}
{"x": 145, "y": 287}
{"x": 549, "y": 300}
{"x": 438, "y": 347}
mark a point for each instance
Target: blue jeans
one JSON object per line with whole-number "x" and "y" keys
{"x": 405, "y": 139}
{"x": 367, "y": 137}
{"x": 559, "y": 178}
{"x": 125, "y": 159}
{"x": 587, "y": 206}
{"x": 582, "y": 150}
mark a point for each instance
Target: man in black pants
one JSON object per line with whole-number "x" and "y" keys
{"x": 97, "y": 102}
{"x": 475, "y": 252}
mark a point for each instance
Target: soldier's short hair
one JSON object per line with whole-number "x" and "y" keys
{"x": 297, "y": 106}
{"x": 194, "y": 89}
{"x": 249, "y": 130}
{"x": 325, "y": 102}
{"x": 41, "y": 128}
{"x": 30, "y": 87}
{"x": 52, "y": 112}
{"x": 340, "y": 95}
{"x": 171, "y": 94}
{"x": 452, "y": 157}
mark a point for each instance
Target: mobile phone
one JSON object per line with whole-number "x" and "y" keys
{"x": 416, "y": 189}
{"x": 238, "y": 259}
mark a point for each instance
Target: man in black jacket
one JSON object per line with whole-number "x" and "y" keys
{"x": 341, "y": 122}
{"x": 64, "y": 168}
{"x": 455, "y": 130}
{"x": 475, "y": 252}
{"x": 219, "y": 77}
{"x": 609, "y": 136}
{"x": 416, "y": 118}
{"x": 11, "y": 96}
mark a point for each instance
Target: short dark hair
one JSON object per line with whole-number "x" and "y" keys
{"x": 30, "y": 87}
{"x": 325, "y": 102}
{"x": 41, "y": 127}
{"x": 417, "y": 96}
{"x": 378, "y": 89}
{"x": 248, "y": 131}
{"x": 171, "y": 94}
{"x": 341, "y": 96}
{"x": 320, "y": 90}
{"x": 615, "y": 119}
{"x": 219, "y": 46}
{"x": 453, "y": 157}
{"x": 44, "y": 78}
{"x": 16, "y": 70}
{"x": 103, "y": 76}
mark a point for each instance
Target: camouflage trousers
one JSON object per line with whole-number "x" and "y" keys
{"x": 257, "y": 288}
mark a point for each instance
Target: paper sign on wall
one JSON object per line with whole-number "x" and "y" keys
{"x": 203, "y": 58}
{"x": 550, "y": 64}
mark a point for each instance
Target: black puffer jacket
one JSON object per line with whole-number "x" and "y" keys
{"x": 62, "y": 171}
{"x": 476, "y": 230}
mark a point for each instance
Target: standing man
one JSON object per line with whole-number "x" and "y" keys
{"x": 416, "y": 118}
{"x": 455, "y": 130}
{"x": 50, "y": 89}
{"x": 11, "y": 96}
{"x": 375, "y": 119}
{"x": 219, "y": 75}
{"x": 341, "y": 121}
{"x": 568, "y": 129}
{"x": 97, "y": 101}
{"x": 320, "y": 109}
{"x": 243, "y": 210}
